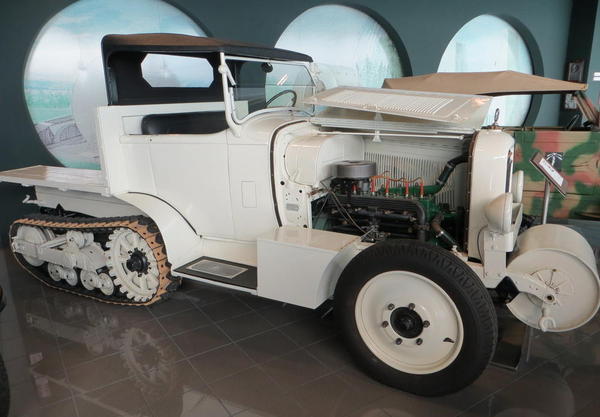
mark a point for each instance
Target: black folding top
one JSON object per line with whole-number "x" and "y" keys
{"x": 190, "y": 45}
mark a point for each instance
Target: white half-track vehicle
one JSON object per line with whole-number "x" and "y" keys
{"x": 394, "y": 204}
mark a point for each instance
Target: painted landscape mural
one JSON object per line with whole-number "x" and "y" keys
{"x": 64, "y": 80}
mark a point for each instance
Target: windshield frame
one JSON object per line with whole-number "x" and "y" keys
{"x": 229, "y": 83}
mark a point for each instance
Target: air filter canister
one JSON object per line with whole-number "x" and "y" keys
{"x": 356, "y": 169}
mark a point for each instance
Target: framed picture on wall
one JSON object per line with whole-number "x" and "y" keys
{"x": 575, "y": 74}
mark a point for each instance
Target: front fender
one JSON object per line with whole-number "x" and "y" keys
{"x": 181, "y": 241}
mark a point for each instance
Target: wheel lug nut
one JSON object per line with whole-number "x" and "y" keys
{"x": 411, "y": 306}
{"x": 426, "y": 323}
{"x": 391, "y": 306}
{"x": 398, "y": 341}
{"x": 385, "y": 324}
{"x": 419, "y": 341}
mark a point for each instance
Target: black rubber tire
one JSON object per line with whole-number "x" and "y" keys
{"x": 462, "y": 285}
{"x": 4, "y": 390}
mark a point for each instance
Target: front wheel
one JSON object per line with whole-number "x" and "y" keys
{"x": 415, "y": 317}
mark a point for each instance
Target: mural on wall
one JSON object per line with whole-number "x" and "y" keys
{"x": 349, "y": 47}
{"x": 577, "y": 156}
{"x": 64, "y": 80}
{"x": 488, "y": 43}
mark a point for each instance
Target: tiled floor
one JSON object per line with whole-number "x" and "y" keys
{"x": 209, "y": 352}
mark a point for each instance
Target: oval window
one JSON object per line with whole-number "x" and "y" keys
{"x": 64, "y": 78}
{"x": 349, "y": 47}
{"x": 488, "y": 43}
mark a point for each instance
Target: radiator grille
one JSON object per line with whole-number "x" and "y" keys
{"x": 412, "y": 167}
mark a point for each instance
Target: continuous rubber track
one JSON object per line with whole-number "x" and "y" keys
{"x": 101, "y": 226}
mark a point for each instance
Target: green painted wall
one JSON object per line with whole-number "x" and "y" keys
{"x": 424, "y": 28}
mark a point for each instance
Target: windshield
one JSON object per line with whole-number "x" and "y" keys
{"x": 267, "y": 84}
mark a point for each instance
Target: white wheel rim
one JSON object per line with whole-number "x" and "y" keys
{"x": 70, "y": 276}
{"x": 106, "y": 284}
{"x": 137, "y": 286}
{"x": 402, "y": 289}
{"x": 55, "y": 271}
{"x": 89, "y": 280}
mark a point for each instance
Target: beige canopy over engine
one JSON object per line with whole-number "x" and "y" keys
{"x": 494, "y": 83}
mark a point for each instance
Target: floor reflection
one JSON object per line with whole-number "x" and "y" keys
{"x": 209, "y": 352}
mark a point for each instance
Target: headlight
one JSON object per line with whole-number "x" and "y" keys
{"x": 498, "y": 213}
{"x": 517, "y": 186}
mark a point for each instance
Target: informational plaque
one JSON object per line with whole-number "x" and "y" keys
{"x": 550, "y": 172}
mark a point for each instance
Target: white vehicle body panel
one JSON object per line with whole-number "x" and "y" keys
{"x": 167, "y": 166}
{"x": 458, "y": 110}
{"x": 74, "y": 179}
{"x": 91, "y": 204}
{"x": 297, "y": 265}
{"x": 489, "y": 179}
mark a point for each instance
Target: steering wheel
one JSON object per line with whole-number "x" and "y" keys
{"x": 281, "y": 93}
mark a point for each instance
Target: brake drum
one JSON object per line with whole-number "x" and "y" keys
{"x": 564, "y": 260}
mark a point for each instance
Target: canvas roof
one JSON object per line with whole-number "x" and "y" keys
{"x": 494, "y": 83}
{"x": 189, "y": 45}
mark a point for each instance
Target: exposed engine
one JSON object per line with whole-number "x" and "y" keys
{"x": 376, "y": 205}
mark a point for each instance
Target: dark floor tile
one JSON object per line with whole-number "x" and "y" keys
{"x": 48, "y": 362}
{"x": 183, "y": 321}
{"x": 590, "y": 410}
{"x": 38, "y": 335}
{"x": 9, "y": 315}
{"x": 26, "y": 368}
{"x": 202, "y": 294}
{"x": 221, "y": 362}
{"x": 92, "y": 407}
{"x": 12, "y": 348}
{"x": 245, "y": 325}
{"x": 9, "y": 330}
{"x": 69, "y": 308}
{"x": 267, "y": 345}
{"x": 369, "y": 411}
{"x": 281, "y": 314}
{"x": 256, "y": 302}
{"x": 170, "y": 378}
{"x": 18, "y": 370}
{"x": 144, "y": 356}
{"x": 331, "y": 352}
{"x": 200, "y": 340}
{"x": 225, "y": 309}
{"x": 64, "y": 408}
{"x": 253, "y": 389}
{"x": 549, "y": 345}
{"x": 137, "y": 333}
{"x": 189, "y": 404}
{"x": 175, "y": 304}
{"x": 124, "y": 315}
{"x": 333, "y": 396}
{"x": 253, "y": 413}
{"x": 38, "y": 392}
{"x": 124, "y": 396}
{"x": 294, "y": 369}
{"x": 77, "y": 353}
{"x": 97, "y": 373}
{"x": 309, "y": 331}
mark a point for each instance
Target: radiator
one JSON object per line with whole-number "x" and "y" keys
{"x": 410, "y": 166}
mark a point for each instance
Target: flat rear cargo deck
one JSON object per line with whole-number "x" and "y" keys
{"x": 64, "y": 179}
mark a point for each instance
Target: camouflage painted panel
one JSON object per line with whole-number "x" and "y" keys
{"x": 577, "y": 156}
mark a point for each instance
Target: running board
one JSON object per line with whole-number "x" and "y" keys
{"x": 211, "y": 269}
